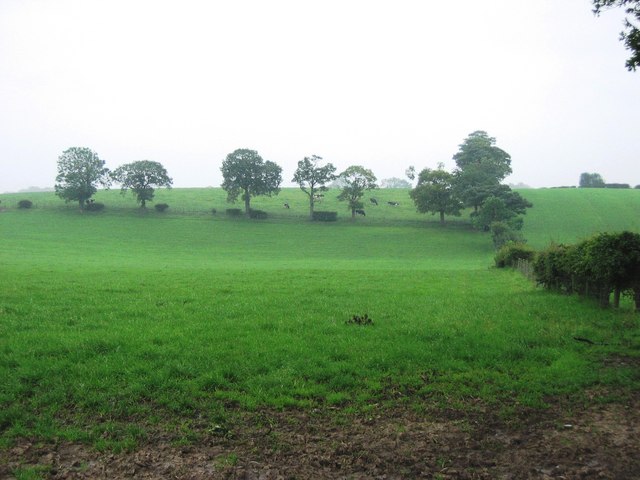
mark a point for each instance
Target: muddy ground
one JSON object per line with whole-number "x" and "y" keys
{"x": 599, "y": 442}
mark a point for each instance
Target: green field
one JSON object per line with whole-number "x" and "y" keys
{"x": 118, "y": 320}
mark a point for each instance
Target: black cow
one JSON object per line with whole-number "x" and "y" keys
{"x": 360, "y": 212}
{"x": 286, "y": 205}
{"x": 393, "y": 204}
{"x": 374, "y": 201}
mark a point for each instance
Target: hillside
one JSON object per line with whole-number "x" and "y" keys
{"x": 570, "y": 214}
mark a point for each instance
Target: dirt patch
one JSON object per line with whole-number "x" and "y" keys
{"x": 599, "y": 442}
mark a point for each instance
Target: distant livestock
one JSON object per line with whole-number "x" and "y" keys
{"x": 361, "y": 212}
{"x": 393, "y": 204}
{"x": 286, "y": 205}
{"x": 374, "y": 201}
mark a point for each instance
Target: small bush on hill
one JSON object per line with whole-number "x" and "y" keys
{"x": 509, "y": 254}
{"x": 25, "y": 204}
{"x": 234, "y": 212}
{"x": 94, "y": 207}
{"x": 161, "y": 207}
{"x": 325, "y": 216}
{"x": 257, "y": 214}
{"x": 214, "y": 211}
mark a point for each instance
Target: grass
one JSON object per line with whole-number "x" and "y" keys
{"x": 117, "y": 323}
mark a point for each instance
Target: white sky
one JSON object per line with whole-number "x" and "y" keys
{"x": 384, "y": 84}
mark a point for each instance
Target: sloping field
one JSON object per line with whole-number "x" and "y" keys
{"x": 128, "y": 333}
{"x": 566, "y": 215}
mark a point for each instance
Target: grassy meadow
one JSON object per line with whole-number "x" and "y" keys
{"x": 117, "y": 323}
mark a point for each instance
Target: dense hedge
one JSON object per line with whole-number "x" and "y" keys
{"x": 321, "y": 216}
{"x": 509, "y": 254}
{"x": 25, "y": 204}
{"x": 257, "y": 214}
{"x": 604, "y": 264}
{"x": 161, "y": 207}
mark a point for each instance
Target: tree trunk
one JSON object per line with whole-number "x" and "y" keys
{"x": 616, "y": 298}
{"x": 441, "y": 218}
{"x": 247, "y": 202}
{"x": 353, "y": 214}
{"x": 311, "y": 205}
{"x": 636, "y": 298}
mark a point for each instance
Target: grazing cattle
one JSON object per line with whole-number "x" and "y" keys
{"x": 393, "y": 204}
{"x": 360, "y": 212}
{"x": 374, "y": 201}
{"x": 286, "y": 205}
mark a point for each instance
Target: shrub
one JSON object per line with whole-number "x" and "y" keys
{"x": 510, "y": 253}
{"x": 94, "y": 207}
{"x": 553, "y": 268}
{"x": 214, "y": 211}
{"x": 257, "y": 214}
{"x": 325, "y": 216}
{"x": 503, "y": 233}
{"x": 25, "y": 204}
{"x": 161, "y": 207}
{"x": 234, "y": 212}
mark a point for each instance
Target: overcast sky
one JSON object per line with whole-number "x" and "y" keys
{"x": 384, "y": 84}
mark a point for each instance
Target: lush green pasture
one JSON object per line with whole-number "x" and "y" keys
{"x": 114, "y": 322}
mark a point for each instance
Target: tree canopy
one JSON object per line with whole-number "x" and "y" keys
{"x": 356, "y": 181}
{"x": 435, "y": 193}
{"x": 246, "y": 173}
{"x": 591, "y": 180}
{"x": 312, "y": 178}
{"x": 631, "y": 34}
{"x": 141, "y": 177}
{"x": 481, "y": 166}
{"x": 80, "y": 172}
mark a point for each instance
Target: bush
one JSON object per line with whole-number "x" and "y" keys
{"x": 234, "y": 212}
{"x": 325, "y": 216}
{"x": 257, "y": 214}
{"x": 510, "y": 253}
{"x": 214, "y": 211}
{"x": 161, "y": 207}
{"x": 502, "y": 233}
{"x": 25, "y": 204}
{"x": 94, "y": 207}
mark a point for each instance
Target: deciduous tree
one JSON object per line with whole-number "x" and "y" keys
{"x": 141, "y": 177}
{"x": 481, "y": 166}
{"x": 591, "y": 180}
{"x": 312, "y": 178}
{"x": 435, "y": 193}
{"x": 246, "y": 173}
{"x": 631, "y": 35}
{"x": 356, "y": 181}
{"x": 80, "y": 172}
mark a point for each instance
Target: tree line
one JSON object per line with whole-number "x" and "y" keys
{"x": 475, "y": 184}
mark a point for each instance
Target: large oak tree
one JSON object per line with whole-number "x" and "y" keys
{"x": 80, "y": 172}
{"x": 436, "y": 193}
{"x": 141, "y": 177}
{"x": 246, "y": 173}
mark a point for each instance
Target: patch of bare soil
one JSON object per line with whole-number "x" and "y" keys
{"x": 599, "y": 442}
